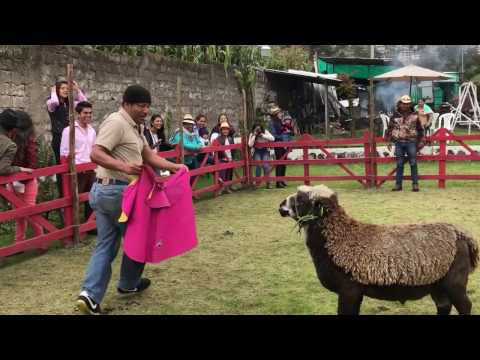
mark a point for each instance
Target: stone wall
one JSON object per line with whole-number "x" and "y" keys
{"x": 28, "y": 72}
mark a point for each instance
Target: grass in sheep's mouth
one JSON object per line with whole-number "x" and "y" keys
{"x": 248, "y": 260}
{"x": 303, "y": 220}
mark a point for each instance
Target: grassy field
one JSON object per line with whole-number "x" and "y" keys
{"x": 459, "y": 130}
{"x": 249, "y": 259}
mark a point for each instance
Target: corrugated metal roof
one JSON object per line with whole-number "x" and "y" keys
{"x": 306, "y": 76}
{"x": 356, "y": 61}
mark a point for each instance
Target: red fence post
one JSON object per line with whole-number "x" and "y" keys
{"x": 373, "y": 155}
{"x": 306, "y": 167}
{"x": 366, "y": 150}
{"x": 246, "y": 159}
{"x": 215, "y": 174}
{"x": 442, "y": 162}
{"x": 67, "y": 211}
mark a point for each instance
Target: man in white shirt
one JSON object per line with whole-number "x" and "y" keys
{"x": 85, "y": 137}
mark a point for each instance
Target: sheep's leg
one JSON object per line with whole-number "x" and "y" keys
{"x": 442, "y": 302}
{"x": 349, "y": 304}
{"x": 459, "y": 298}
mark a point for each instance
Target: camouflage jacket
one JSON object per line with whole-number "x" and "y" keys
{"x": 404, "y": 128}
{"x": 8, "y": 149}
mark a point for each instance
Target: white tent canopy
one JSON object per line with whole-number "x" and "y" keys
{"x": 412, "y": 72}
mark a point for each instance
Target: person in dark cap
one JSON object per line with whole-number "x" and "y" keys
{"x": 120, "y": 150}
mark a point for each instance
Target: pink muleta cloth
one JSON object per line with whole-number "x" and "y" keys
{"x": 159, "y": 217}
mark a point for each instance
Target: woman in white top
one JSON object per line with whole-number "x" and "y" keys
{"x": 260, "y": 135}
{"x": 155, "y": 134}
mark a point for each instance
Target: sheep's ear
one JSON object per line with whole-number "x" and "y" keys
{"x": 333, "y": 200}
{"x": 328, "y": 204}
{"x": 303, "y": 197}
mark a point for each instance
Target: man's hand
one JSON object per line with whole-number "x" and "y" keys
{"x": 389, "y": 147}
{"x": 420, "y": 145}
{"x": 132, "y": 169}
{"x": 175, "y": 167}
{"x": 75, "y": 85}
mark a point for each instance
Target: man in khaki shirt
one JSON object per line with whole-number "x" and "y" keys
{"x": 119, "y": 151}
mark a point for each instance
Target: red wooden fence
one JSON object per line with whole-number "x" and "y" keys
{"x": 243, "y": 166}
{"x": 369, "y": 159}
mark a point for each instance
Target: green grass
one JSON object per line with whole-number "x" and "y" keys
{"x": 359, "y": 133}
{"x": 424, "y": 168}
{"x": 249, "y": 259}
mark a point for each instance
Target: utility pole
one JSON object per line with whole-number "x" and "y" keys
{"x": 315, "y": 61}
{"x": 372, "y": 51}
{"x": 462, "y": 67}
{"x": 71, "y": 159}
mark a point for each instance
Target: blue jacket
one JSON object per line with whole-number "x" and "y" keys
{"x": 191, "y": 142}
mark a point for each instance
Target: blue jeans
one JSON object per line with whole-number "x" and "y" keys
{"x": 106, "y": 200}
{"x": 410, "y": 150}
{"x": 261, "y": 155}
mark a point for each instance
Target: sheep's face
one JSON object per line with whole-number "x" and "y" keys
{"x": 316, "y": 201}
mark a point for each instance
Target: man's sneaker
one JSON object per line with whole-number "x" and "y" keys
{"x": 415, "y": 188}
{"x": 144, "y": 284}
{"x": 87, "y": 305}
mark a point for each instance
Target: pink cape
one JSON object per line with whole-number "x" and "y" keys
{"x": 160, "y": 217}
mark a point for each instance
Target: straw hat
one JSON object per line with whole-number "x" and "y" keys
{"x": 188, "y": 119}
{"x": 405, "y": 99}
{"x": 224, "y": 125}
{"x": 275, "y": 110}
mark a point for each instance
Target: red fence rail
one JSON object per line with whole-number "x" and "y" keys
{"x": 370, "y": 159}
{"x": 243, "y": 166}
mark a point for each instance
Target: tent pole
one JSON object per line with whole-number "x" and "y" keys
{"x": 327, "y": 135}
{"x": 371, "y": 182}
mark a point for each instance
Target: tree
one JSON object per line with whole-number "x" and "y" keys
{"x": 245, "y": 60}
{"x": 290, "y": 57}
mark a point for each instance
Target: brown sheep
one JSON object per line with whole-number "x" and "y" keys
{"x": 396, "y": 263}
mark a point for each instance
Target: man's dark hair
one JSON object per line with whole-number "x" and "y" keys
{"x": 136, "y": 94}
{"x": 82, "y": 105}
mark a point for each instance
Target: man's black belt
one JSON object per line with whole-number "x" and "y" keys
{"x": 111, "y": 182}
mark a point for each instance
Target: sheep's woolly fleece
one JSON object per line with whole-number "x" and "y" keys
{"x": 412, "y": 255}
{"x": 316, "y": 192}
